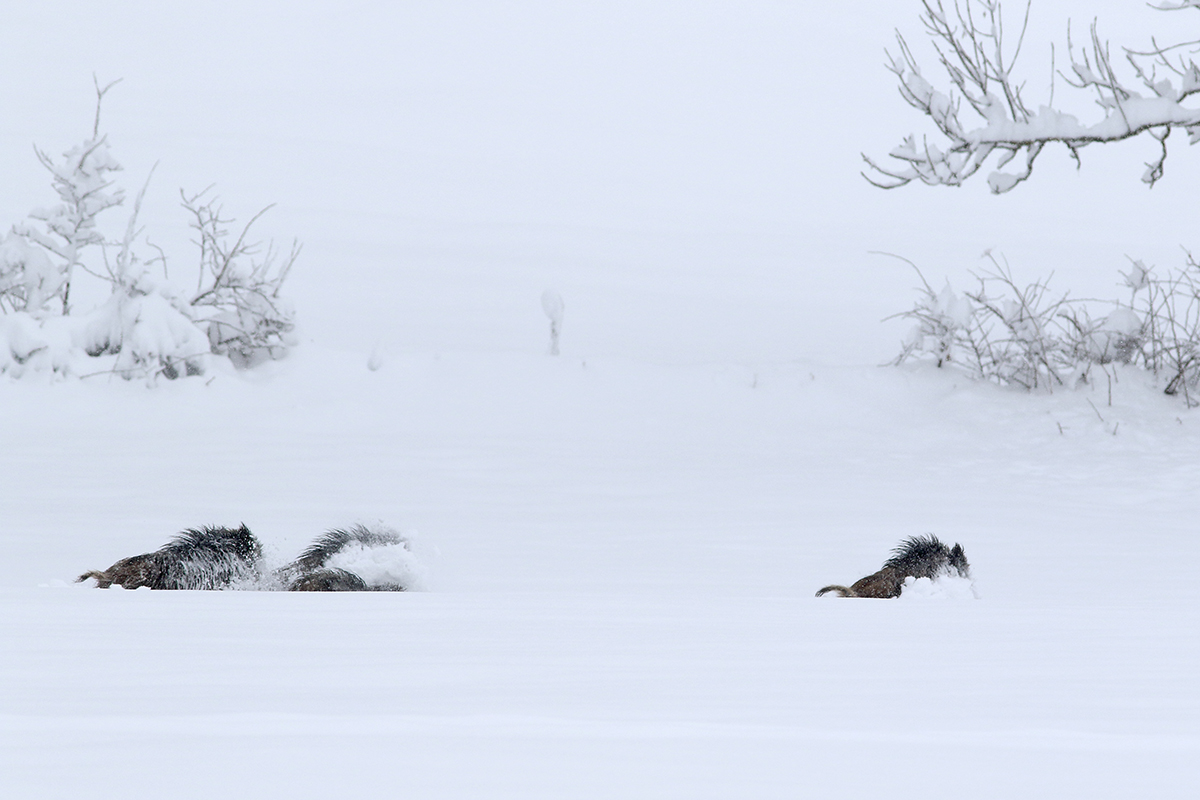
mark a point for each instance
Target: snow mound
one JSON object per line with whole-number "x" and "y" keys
{"x": 944, "y": 587}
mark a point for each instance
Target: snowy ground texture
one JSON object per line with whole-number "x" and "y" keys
{"x": 620, "y": 545}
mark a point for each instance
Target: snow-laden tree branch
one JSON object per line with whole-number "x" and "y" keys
{"x": 978, "y": 59}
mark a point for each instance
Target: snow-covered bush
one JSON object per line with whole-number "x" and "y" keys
{"x": 148, "y": 327}
{"x": 237, "y": 291}
{"x": 29, "y": 345}
{"x": 1170, "y": 308}
{"x": 28, "y": 278}
{"x": 1023, "y": 336}
{"x": 1000, "y": 331}
{"x": 943, "y": 327}
{"x": 148, "y": 332}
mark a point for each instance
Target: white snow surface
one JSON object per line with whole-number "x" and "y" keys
{"x": 619, "y": 546}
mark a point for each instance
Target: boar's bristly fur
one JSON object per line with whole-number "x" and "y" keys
{"x": 198, "y": 558}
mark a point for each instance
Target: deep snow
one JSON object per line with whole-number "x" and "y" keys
{"x": 621, "y": 567}
{"x": 622, "y": 543}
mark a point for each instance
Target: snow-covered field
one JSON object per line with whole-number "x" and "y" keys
{"x": 621, "y": 544}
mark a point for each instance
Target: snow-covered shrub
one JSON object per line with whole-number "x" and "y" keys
{"x": 147, "y": 327}
{"x": 1170, "y": 306}
{"x": 148, "y": 332}
{"x": 237, "y": 292}
{"x": 1113, "y": 339}
{"x": 1022, "y": 336}
{"x": 943, "y": 325}
{"x": 1022, "y": 332}
{"x": 29, "y": 345}
{"x": 1000, "y": 331}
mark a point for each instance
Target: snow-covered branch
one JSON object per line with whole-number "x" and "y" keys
{"x": 971, "y": 48}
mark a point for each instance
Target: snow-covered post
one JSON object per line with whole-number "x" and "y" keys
{"x": 375, "y": 359}
{"x": 552, "y": 304}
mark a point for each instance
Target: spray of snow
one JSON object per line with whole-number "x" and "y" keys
{"x": 396, "y": 563}
{"x": 944, "y": 587}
